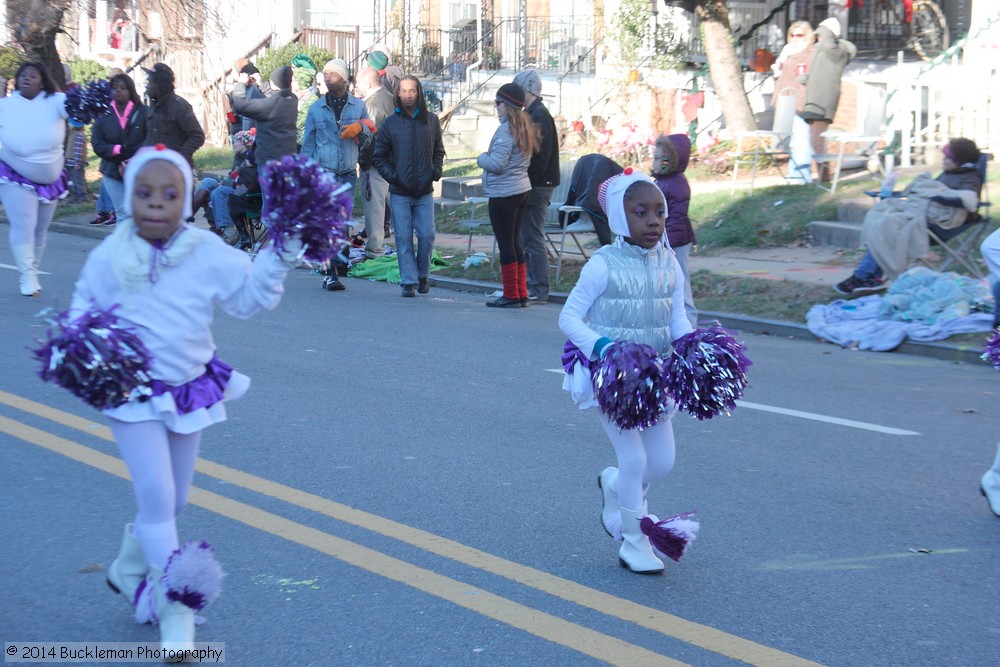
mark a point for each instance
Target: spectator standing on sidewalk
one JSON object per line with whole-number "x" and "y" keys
{"x": 117, "y": 136}
{"x": 823, "y": 85}
{"x": 171, "y": 119}
{"x": 374, "y": 188}
{"x": 506, "y": 185}
{"x": 409, "y": 154}
{"x": 275, "y": 115}
{"x": 670, "y": 160}
{"x": 332, "y": 127}
{"x": 543, "y": 173}
{"x": 791, "y": 71}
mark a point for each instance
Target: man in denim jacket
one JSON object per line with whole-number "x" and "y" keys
{"x": 333, "y": 125}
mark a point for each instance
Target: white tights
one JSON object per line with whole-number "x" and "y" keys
{"x": 29, "y": 218}
{"x": 161, "y": 464}
{"x": 643, "y": 457}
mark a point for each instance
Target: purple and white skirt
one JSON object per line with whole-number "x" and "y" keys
{"x": 188, "y": 407}
{"x": 47, "y": 194}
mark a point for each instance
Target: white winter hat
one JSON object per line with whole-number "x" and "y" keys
{"x": 338, "y": 65}
{"x": 611, "y": 196}
{"x": 831, "y": 24}
{"x": 158, "y": 152}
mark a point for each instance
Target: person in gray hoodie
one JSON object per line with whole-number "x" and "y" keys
{"x": 275, "y": 115}
{"x": 506, "y": 184}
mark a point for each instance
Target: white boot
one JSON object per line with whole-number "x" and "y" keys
{"x": 191, "y": 580}
{"x": 636, "y": 553}
{"x": 24, "y": 257}
{"x": 990, "y": 485}
{"x": 129, "y": 568}
{"x": 611, "y": 519}
{"x": 36, "y": 264}
{"x": 176, "y": 621}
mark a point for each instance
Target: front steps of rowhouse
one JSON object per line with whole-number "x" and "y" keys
{"x": 845, "y": 231}
{"x": 452, "y": 191}
{"x": 469, "y": 132}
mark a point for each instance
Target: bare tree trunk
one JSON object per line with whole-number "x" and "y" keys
{"x": 35, "y": 24}
{"x": 724, "y": 66}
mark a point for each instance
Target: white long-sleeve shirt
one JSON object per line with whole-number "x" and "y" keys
{"x": 173, "y": 315}
{"x": 32, "y": 133}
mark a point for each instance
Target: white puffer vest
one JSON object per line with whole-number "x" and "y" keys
{"x": 636, "y": 305}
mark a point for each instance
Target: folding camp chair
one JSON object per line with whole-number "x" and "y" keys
{"x": 863, "y": 145}
{"x": 774, "y": 142}
{"x": 961, "y": 244}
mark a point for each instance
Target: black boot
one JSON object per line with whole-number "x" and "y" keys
{"x": 244, "y": 242}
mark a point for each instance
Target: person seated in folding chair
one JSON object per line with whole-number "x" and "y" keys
{"x": 895, "y": 229}
{"x": 588, "y": 174}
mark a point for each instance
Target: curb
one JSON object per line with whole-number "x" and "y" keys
{"x": 965, "y": 354}
{"x": 954, "y": 353}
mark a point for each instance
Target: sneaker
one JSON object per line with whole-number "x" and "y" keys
{"x": 855, "y": 285}
{"x": 424, "y": 287}
{"x": 111, "y": 221}
{"x": 333, "y": 284}
{"x": 535, "y": 297}
{"x": 102, "y": 217}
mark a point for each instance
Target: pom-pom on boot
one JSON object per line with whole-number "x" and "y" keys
{"x": 191, "y": 580}
{"x": 128, "y": 570}
{"x": 611, "y": 518}
{"x": 636, "y": 553}
{"x": 671, "y": 536}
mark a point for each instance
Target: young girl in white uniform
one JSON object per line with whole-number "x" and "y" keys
{"x": 630, "y": 290}
{"x": 166, "y": 277}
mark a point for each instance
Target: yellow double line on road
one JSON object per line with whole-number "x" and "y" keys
{"x": 552, "y": 628}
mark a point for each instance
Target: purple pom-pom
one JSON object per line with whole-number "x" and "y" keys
{"x": 96, "y": 358}
{"x": 672, "y": 535}
{"x": 303, "y": 201}
{"x": 707, "y": 372}
{"x": 76, "y": 105}
{"x": 88, "y": 102}
{"x": 991, "y": 352}
{"x": 630, "y": 385}
{"x": 97, "y": 97}
{"x": 193, "y": 577}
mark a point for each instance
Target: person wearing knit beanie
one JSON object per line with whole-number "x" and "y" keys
{"x": 337, "y": 66}
{"x": 281, "y": 77}
{"x": 512, "y": 95}
{"x": 378, "y": 60}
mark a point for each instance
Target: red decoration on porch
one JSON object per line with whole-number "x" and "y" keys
{"x": 761, "y": 60}
{"x": 692, "y": 103}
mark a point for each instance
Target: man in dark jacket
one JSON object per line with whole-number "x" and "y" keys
{"x": 171, "y": 120}
{"x": 275, "y": 115}
{"x": 543, "y": 172}
{"x": 409, "y": 154}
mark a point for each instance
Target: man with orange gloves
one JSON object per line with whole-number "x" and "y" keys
{"x": 333, "y": 126}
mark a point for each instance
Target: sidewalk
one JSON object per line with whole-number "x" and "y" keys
{"x": 815, "y": 265}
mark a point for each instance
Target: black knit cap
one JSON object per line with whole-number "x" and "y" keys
{"x": 161, "y": 73}
{"x": 512, "y": 95}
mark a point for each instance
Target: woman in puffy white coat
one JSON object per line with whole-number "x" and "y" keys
{"x": 32, "y": 179}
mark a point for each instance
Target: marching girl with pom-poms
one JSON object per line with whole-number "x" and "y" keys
{"x": 989, "y": 485}
{"x": 137, "y": 343}
{"x": 624, "y": 318}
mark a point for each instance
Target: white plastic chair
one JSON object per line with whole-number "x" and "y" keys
{"x": 774, "y": 142}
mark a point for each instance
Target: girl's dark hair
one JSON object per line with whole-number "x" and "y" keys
{"x": 130, "y": 84}
{"x": 964, "y": 150}
{"x": 48, "y": 83}
{"x": 421, "y": 102}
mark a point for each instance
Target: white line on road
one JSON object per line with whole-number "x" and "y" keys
{"x": 888, "y": 430}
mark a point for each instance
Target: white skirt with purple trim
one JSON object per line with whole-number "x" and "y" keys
{"x": 162, "y": 408}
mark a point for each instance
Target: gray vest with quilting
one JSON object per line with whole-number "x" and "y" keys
{"x": 637, "y": 303}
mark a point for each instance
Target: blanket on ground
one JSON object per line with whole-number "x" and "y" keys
{"x": 895, "y": 230}
{"x": 387, "y": 268}
{"x": 922, "y": 305}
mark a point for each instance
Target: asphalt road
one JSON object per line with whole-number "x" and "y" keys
{"x": 406, "y": 484}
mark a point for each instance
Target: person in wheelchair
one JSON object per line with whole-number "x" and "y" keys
{"x": 226, "y": 202}
{"x": 895, "y": 229}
